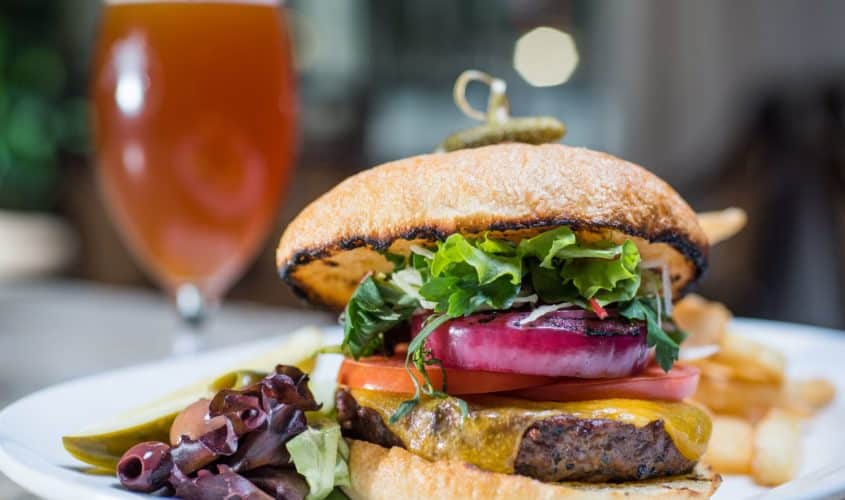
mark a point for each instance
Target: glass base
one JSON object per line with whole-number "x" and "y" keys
{"x": 192, "y": 309}
{"x": 187, "y": 341}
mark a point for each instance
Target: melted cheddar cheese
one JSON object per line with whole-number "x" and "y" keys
{"x": 490, "y": 435}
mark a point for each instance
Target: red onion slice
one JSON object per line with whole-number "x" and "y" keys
{"x": 564, "y": 343}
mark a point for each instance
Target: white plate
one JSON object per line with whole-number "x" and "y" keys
{"x": 31, "y": 451}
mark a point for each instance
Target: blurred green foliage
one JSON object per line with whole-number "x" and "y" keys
{"x": 40, "y": 117}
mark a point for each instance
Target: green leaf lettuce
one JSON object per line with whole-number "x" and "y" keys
{"x": 606, "y": 280}
{"x": 565, "y": 270}
{"x": 666, "y": 345}
{"x": 320, "y": 455}
{"x": 374, "y": 308}
{"x": 465, "y": 274}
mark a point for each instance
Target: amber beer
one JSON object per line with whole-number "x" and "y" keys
{"x": 194, "y": 124}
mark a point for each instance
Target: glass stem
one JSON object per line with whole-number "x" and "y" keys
{"x": 192, "y": 309}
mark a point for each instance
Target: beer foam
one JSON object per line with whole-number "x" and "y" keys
{"x": 238, "y": 2}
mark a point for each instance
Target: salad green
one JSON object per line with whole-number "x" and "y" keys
{"x": 321, "y": 456}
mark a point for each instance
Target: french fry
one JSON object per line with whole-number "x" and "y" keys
{"x": 818, "y": 393}
{"x": 712, "y": 369}
{"x": 705, "y": 321}
{"x": 752, "y": 361}
{"x": 750, "y": 400}
{"x": 731, "y": 445}
{"x": 806, "y": 397}
{"x": 722, "y": 224}
{"x": 777, "y": 448}
{"x": 755, "y": 408}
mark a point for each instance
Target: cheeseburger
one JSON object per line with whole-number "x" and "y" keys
{"x": 507, "y": 317}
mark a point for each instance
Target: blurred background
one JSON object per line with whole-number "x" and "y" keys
{"x": 735, "y": 104}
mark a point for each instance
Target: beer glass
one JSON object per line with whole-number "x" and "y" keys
{"x": 194, "y": 124}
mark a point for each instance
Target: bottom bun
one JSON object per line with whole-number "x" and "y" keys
{"x": 381, "y": 473}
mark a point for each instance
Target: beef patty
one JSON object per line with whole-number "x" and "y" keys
{"x": 560, "y": 448}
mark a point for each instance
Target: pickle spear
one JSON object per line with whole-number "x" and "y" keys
{"x": 103, "y": 444}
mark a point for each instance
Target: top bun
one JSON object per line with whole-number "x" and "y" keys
{"x": 511, "y": 190}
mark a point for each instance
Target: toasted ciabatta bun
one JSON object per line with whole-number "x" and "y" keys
{"x": 381, "y": 473}
{"x": 512, "y": 190}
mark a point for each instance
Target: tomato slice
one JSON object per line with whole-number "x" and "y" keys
{"x": 389, "y": 374}
{"x": 652, "y": 384}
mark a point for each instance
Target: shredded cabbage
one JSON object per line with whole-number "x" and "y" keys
{"x": 526, "y": 299}
{"x": 665, "y": 281}
{"x": 541, "y": 311}
{"x": 409, "y": 280}
{"x": 667, "y": 288}
{"x": 425, "y": 252}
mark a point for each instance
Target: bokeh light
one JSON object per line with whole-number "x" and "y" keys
{"x": 545, "y": 57}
